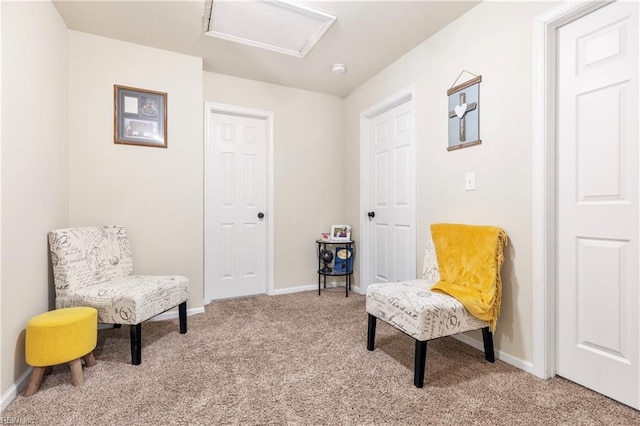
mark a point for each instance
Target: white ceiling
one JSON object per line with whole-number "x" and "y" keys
{"x": 366, "y": 37}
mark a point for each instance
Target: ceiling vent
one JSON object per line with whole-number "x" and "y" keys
{"x": 273, "y": 25}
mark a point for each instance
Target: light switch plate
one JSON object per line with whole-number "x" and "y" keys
{"x": 470, "y": 181}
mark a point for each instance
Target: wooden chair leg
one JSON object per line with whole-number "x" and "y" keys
{"x": 487, "y": 338}
{"x": 182, "y": 314}
{"x": 35, "y": 381}
{"x": 420, "y": 362}
{"x": 77, "y": 377}
{"x": 371, "y": 332}
{"x": 135, "y": 332}
{"x": 89, "y": 360}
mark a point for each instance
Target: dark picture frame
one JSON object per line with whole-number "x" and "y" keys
{"x": 140, "y": 117}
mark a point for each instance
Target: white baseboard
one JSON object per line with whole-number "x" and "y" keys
{"x": 277, "y": 291}
{"x": 357, "y": 289}
{"x": 310, "y": 287}
{"x": 15, "y": 389}
{"x": 174, "y": 314}
{"x": 509, "y": 359}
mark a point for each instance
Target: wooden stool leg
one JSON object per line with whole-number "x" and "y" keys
{"x": 89, "y": 360}
{"x": 34, "y": 383}
{"x": 77, "y": 377}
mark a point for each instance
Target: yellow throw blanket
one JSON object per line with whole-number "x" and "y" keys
{"x": 469, "y": 260}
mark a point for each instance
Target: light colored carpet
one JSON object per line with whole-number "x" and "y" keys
{"x": 302, "y": 359}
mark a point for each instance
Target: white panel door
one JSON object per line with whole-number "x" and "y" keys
{"x": 392, "y": 195}
{"x": 598, "y": 188}
{"x": 238, "y": 200}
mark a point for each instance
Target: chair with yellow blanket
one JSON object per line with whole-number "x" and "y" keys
{"x": 460, "y": 291}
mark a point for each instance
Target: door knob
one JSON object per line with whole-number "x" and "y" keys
{"x": 260, "y": 215}
{"x": 371, "y": 214}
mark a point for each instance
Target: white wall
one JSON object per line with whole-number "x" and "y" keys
{"x": 34, "y": 167}
{"x": 308, "y": 165}
{"x": 157, "y": 194}
{"x": 493, "y": 39}
{"x": 2, "y": 390}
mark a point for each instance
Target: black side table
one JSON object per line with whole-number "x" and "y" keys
{"x": 343, "y": 247}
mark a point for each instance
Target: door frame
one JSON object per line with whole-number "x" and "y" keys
{"x": 544, "y": 207}
{"x": 405, "y": 95}
{"x": 213, "y": 107}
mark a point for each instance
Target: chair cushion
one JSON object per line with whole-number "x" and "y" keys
{"x": 129, "y": 300}
{"x": 414, "y": 309}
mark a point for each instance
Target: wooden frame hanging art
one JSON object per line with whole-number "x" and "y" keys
{"x": 464, "y": 113}
{"x": 140, "y": 117}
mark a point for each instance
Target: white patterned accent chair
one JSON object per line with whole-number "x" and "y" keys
{"x": 411, "y": 307}
{"x": 92, "y": 266}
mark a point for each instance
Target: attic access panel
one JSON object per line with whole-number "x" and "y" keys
{"x": 273, "y": 25}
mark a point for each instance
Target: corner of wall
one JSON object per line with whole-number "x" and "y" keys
{"x": 33, "y": 184}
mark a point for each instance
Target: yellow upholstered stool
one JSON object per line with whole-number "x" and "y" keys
{"x": 56, "y": 337}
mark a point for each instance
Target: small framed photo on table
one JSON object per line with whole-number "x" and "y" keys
{"x": 140, "y": 117}
{"x": 340, "y": 232}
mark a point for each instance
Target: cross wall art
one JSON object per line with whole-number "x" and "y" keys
{"x": 464, "y": 114}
